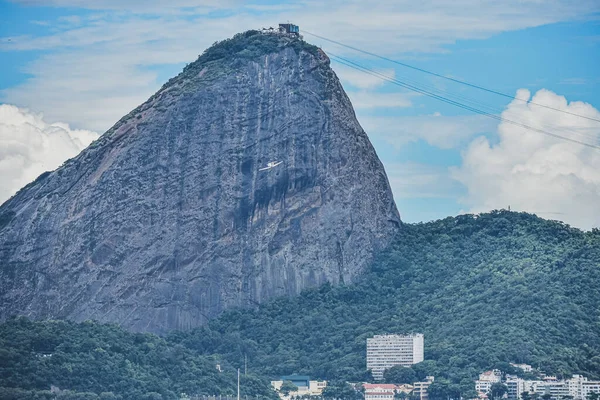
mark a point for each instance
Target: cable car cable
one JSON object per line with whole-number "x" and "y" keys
{"x": 369, "y": 71}
{"x": 448, "y": 78}
{"x": 478, "y": 104}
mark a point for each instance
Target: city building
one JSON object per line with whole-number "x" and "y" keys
{"x": 486, "y": 380}
{"x": 524, "y": 367}
{"x": 289, "y": 29}
{"x": 387, "y": 391}
{"x": 379, "y": 391}
{"x": 404, "y": 388}
{"x": 386, "y": 351}
{"x": 420, "y": 388}
{"x": 577, "y": 387}
{"x": 305, "y": 386}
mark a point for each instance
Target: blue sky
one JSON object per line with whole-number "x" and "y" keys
{"x": 87, "y": 65}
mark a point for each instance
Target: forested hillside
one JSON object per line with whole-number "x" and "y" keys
{"x": 92, "y": 361}
{"x": 485, "y": 290}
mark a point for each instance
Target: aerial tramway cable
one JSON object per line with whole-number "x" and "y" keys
{"x": 447, "y": 77}
{"x": 482, "y": 106}
{"x": 417, "y": 89}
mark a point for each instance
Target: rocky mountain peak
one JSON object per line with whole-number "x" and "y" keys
{"x": 174, "y": 214}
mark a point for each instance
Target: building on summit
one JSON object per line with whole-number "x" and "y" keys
{"x": 386, "y": 351}
{"x": 284, "y": 30}
{"x": 289, "y": 29}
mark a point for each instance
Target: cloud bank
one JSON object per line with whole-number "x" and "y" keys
{"x": 113, "y": 49}
{"x": 533, "y": 172}
{"x": 30, "y": 146}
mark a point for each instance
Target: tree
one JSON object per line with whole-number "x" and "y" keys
{"x": 525, "y": 396}
{"x": 400, "y": 395}
{"x": 287, "y": 387}
{"x": 593, "y": 396}
{"x": 438, "y": 391}
{"x": 497, "y": 390}
{"x": 342, "y": 391}
{"x": 399, "y": 374}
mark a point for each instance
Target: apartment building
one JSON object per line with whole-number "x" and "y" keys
{"x": 487, "y": 379}
{"x": 578, "y": 387}
{"x": 386, "y": 351}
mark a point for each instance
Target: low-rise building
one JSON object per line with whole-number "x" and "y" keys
{"x": 379, "y": 391}
{"x": 305, "y": 386}
{"x": 387, "y": 391}
{"x": 524, "y": 367}
{"x": 404, "y": 388}
{"x": 486, "y": 380}
{"x": 578, "y": 387}
{"x": 420, "y": 388}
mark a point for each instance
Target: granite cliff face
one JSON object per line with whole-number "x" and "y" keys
{"x": 166, "y": 220}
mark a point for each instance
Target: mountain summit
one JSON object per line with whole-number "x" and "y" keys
{"x": 173, "y": 215}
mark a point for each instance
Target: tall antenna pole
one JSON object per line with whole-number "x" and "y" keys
{"x": 238, "y": 398}
{"x": 245, "y": 364}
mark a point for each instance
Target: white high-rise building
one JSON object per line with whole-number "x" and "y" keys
{"x": 386, "y": 351}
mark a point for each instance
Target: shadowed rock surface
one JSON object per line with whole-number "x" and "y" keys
{"x": 166, "y": 220}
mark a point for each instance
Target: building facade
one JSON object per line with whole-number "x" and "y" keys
{"x": 486, "y": 380}
{"x": 305, "y": 386}
{"x": 420, "y": 388}
{"x": 578, "y": 387}
{"x": 524, "y": 367}
{"x": 386, "y": 351}
{"x": 379, "y": 391}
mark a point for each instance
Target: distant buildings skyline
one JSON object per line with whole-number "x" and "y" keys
{"x": 577, "y": 387}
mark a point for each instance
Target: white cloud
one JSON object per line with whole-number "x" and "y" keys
{"x": 30, "y": 146}
{"x": 441, "y": 131}
{"x": 534, "y": 172}
{"x": 94, "y": 68}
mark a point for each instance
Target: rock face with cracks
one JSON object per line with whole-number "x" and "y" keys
{"x": 167, "y": 219}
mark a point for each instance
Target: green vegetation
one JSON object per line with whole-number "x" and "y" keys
{"x": 252, "y": 44}
{"x": 497, "y": 391}
{"x": 336, "y": 390}
{"x": 487, "y": 290}
{"x": 235, "y": 52}
{"x": 287, "y": 387}
{"x": 100, "y": 362}
{"x": 400, "y": 374}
